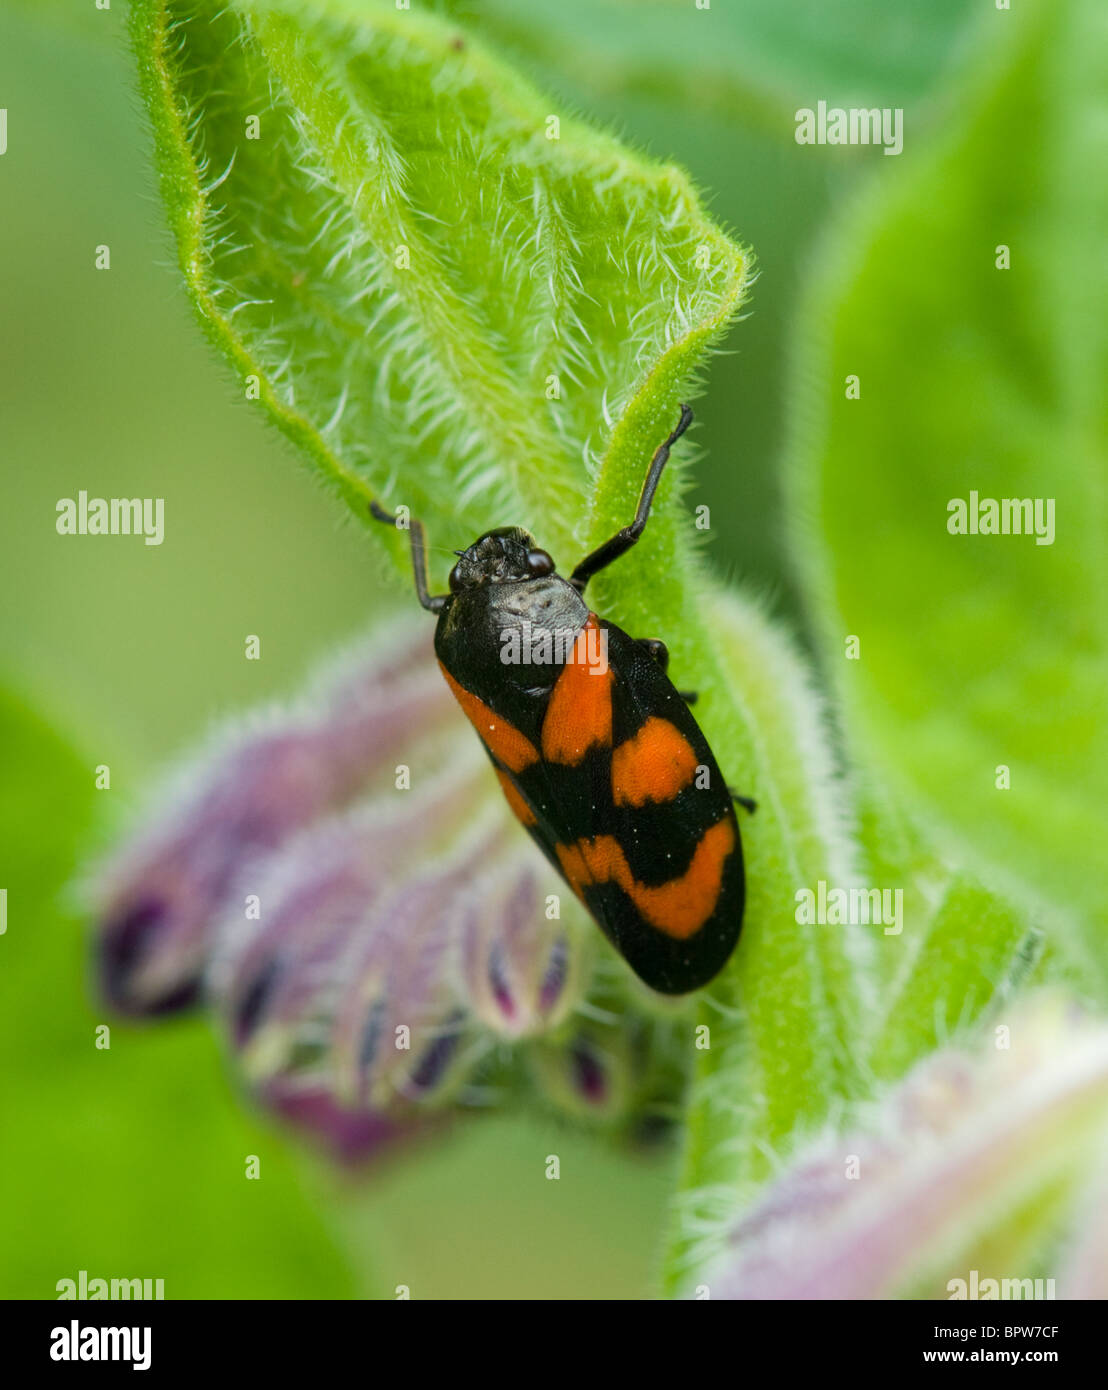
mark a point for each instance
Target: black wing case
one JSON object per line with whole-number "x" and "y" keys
{"x": 640, "y": 823}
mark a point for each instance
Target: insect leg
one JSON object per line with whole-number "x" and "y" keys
{"x": 657, "y": 649}
{"x": 623, "y": 540}
{"x": 660, "y": 652}
{"x": 432, "y": 602}
{"x": 746, "y": 801}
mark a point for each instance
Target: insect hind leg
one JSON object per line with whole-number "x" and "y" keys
{"x": 656, "y": 648}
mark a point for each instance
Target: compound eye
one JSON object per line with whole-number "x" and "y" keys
{"x": 539, "y": 563}
{"x": 453, "y": 580}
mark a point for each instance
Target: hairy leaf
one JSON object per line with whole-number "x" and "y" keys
{"x": 862, "y": 1002}
{"x": 961, "y": 947}
{"x": 983, "y": 658}
{"x": 753, "y": 60}
{"x": 452, "y": 294}
{"x": 783, "y": 1023}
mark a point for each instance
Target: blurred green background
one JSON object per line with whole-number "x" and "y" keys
{"x": 129, "y": 1162}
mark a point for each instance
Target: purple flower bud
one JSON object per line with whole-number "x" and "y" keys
{"x": 324, "y": 899}
{"x": 251, "y": 789}
{"x": 404, "y": 1027}
{"x": 365, "y": 937}
{"x": 1084, "y": 1273}
{"x": 589, "y": 1073}
{"x": 348, "y": 1136}
{"x": 523, "y": 967}
{"x": 920, "y": 1205}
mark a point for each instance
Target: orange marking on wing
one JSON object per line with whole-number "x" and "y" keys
{"x": 654, "y": 765}
{"x": 515, "y": 799}
{"x": 678, "y": 908}
{"x": 574, "y": 866}
{"x": 502, "y": 739}
{"x": 579, "y": 713}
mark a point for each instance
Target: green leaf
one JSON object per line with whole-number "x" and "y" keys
{"x": 857, "y": 1005}
{"x": 407, "y": 261}
{"x": 977, "y": 651}
{"x": 961, "y": 946}
{"x": 969, "y": 947}
{"x": 749, "y": 60}
{"x": 129, "y": 1159}
{"x": 784, "y": 1019}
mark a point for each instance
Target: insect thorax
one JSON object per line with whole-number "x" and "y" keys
{"x": 516, "y": 633}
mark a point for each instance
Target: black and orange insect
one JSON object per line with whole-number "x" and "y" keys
{"x": 596, "y": 751}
